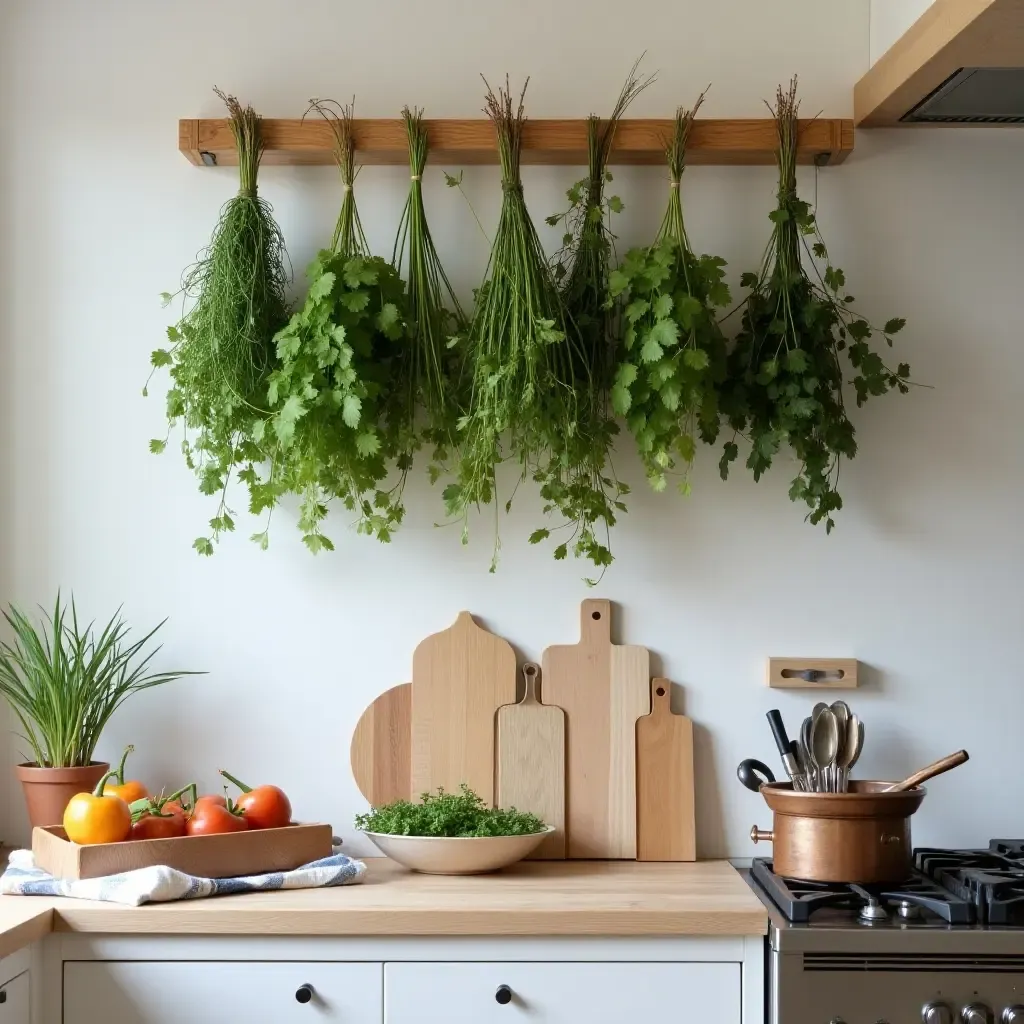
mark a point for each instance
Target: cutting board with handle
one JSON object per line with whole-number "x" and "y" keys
{"x": 531, "y": 762}
{"x": 381, "y": 747}
{"x": 603, "y": 689}
{"x": 460, "y": 677}
{"x": 664, "y": 781}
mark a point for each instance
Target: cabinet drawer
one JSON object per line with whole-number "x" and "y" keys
{"x": 561, "y": 993}
{"x": 210, "y": 992}
{"x": 14, "y": 1000}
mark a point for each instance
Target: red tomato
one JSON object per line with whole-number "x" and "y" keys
{"x": 158, "y": 826}
{"x": 266, "y": 807}
{"x": 210, "y": 819}
{"x": 217, "y": 799}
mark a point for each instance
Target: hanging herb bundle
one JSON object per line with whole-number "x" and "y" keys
{"x": 672, "y": 358}
{"x": 787, "y": 369}
{"x": 435, "y": 317}
{"x": 528, "y": 373}
{"x": 222, "y": 348}
{"x": 328, "y": 434}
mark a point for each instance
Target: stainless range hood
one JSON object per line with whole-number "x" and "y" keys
{"x": 961, "y": 62}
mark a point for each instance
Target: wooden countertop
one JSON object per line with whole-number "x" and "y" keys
{"x": 537, "y": 898}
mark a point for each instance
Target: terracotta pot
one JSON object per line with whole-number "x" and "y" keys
{"x": 48, "y": 790}
{"x": 861, "y": 836}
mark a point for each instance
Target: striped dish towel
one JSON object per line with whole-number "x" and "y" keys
{"x": 162, "y": 884}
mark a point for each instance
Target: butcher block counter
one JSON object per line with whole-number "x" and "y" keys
{"x": 537, "y": 898}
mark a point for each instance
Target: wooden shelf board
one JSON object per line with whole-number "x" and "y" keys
{"x": 561, "y": 142}
{"x": 950, "y": 35}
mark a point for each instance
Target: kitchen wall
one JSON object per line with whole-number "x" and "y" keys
{"x": 890, "y": 19}
{"x": 99, "y": 213}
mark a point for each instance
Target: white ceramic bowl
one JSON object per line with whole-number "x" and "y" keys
{"x": 440, "y": 855}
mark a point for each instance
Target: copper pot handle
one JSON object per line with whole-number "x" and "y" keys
{"x": 760, "y": 835}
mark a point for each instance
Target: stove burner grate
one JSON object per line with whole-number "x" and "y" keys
{"x": 798, "y": 900}
{"x": 991, "y": 880}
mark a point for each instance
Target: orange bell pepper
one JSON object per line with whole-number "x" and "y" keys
{"x": 97, "y": 817}
{"x": 129, "y": 791}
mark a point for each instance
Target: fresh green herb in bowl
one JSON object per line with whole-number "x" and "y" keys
{"x": 453, "y": 833}
{"x": 448, "y": 815}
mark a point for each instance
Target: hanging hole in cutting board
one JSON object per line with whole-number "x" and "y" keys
{"x": 595, "y": 615}
{"x": 660, "y": 691}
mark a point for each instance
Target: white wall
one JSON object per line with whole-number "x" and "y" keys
{"x": 890, "y": 19}
{"x": 100, "y": 213}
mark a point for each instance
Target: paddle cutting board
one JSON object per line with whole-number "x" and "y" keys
{"x": 531, "y": 763}
{"x": 460, "y": 677}
{"x": 381, "y": 747}
{"x": 666, "y": 829}
{"x": 603, "y": 689}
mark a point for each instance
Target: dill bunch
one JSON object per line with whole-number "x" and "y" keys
{"x": 222, "y": 348}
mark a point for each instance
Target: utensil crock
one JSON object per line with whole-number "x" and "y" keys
{"x": 861, "y": 836}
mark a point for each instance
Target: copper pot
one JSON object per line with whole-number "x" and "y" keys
{"x": 860, "y": 836}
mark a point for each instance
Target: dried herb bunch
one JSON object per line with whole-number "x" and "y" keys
{"x": 786, "y": 372}
{"x": 672, "y": 354}
{"x": 330, "y": 435}
{"x": 435, "y": 316}
{"x": 529, "y": 388}
{"x": 222, "y": 349}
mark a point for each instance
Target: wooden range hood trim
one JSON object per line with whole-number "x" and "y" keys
{"x": 950, "y": 35}
{"x": 208, "y": 142}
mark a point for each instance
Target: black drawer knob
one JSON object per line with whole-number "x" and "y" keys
{"x": 304, "y": 994}
{"x": 503, "y": 995}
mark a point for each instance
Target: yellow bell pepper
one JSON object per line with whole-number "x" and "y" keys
{"x": 97, "y": 817}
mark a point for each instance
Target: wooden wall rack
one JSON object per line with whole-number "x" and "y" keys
{"x": 208, "y": 142}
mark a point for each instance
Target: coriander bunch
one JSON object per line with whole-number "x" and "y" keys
{"x": 672, "y": 353}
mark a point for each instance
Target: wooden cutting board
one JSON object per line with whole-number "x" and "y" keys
{"x": 381, "y": 747}
{"x": 531, "y": 763}
{"x": 460, "y": 677}
{"x": 603, "y": 689}
{"x": 666, "y": 829}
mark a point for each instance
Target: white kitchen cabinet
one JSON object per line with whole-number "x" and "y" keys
{"x": 562, "y": 993}
{"x": 14, "y": 1000}
{"x": 212, "y": 992}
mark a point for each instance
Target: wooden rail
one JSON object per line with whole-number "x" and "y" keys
{"x": 208, "y": 142}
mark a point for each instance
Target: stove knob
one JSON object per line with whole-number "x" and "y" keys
{"x": 1013, "y": 1015}
{"x": 976, "y": 1013}
{"x": 936, "y": 1013}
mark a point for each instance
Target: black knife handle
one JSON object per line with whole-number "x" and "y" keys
{"x": 779, "y": 732}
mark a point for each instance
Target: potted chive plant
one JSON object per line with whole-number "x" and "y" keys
{"x": 63, "y": 682}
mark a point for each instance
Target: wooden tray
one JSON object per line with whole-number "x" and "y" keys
{"x": 223, "y": 856}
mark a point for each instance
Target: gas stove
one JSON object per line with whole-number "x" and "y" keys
{"x": 945, "y": 946}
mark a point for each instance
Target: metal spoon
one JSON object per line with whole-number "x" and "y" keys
{"x": 824, "y": 744}
{"x": 842, "y": 712}
{"x": 856, "y": 726}
{"x": 845, "y": 754}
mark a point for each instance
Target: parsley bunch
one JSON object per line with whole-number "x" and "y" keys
{"x": 330, "y": 434}
{"x": 786, "y": 373}
{"x": 672, "y": 357}
{"x": 222, "y": 347}
{"x": 451, "y": 815}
